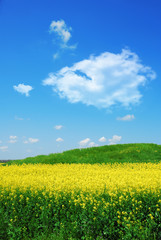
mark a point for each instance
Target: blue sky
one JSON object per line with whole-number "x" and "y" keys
{"x": 78, "y": 74}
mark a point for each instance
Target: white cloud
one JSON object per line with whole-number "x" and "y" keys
{"x": 102, "y": 139}
{"x": 114, "y": 140}
{"x": 126, "y": 118}
{"x": 0, "y": 141}
{"x": 102, "y": 81}
{"x": 31, "y": 140}
{"x": 4, "y": 148}
{"x": 84, "y": 142}
{"x": 63, "y": 32}
{"x": 56, "y": 55}
{"x": 59, "y": 140}
{"x": 61, "y": 29}
{"x": 58, "y": 127}
{"x": 23, "y": 89}
{"x": 13, "y": 139}
{"x": 19, "y": 118}
{"x": 92, "y": 144}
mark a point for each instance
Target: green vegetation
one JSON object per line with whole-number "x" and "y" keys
{"x": 43, "y": 216}
{"x": 139, "y": 152}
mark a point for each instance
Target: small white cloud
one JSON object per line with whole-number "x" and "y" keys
{"x": 33, "y": 140}
{"x": 13, "y": 139}
{"x": 63, "y": 32}
{"x": 92, "y": 144}
{"x": 56, "y": 55}
{"x": 102, "y": 139}
{"x": 4, "y": 148}
{"x": 114, "y": 140}
{"x": 84, "y": 142}
{"x": 0, "y": 141}
{"x": 23, "y": 89}
{"x": 102, "y": 81}
{"x": 58, "y": 127}
{"x": 19, "y": 118}
{"x": 59, "y": 140}
{"x": 60, "y": 28}
{"x": 126, "y": 118}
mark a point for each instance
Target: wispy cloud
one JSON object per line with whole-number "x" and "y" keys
{"x": 23, "y": 89}
{"x": 19, "y": 118}
{"x": 56, "y": 55}
{"x": 61, "y": 29}
{"x": 114, "y": 140}
{"x": 13, "y": 139}
{"x": 59, "y": 140}
{"x": 31, "y": 140}
{"x": 84, "y": 142}
{"x": 58, "y": 127}
{"x": 92, "y": 144}
{"x": 102, "y": 139}
{"x": 0, "y": 141}
{"x": 63, "y": 32}
{"x": 102, "y": 81}
{"x": 126, "y": 118}
{"x": 4, "y": 148}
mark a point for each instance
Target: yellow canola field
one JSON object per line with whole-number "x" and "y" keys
{"x": 84, "y": 177}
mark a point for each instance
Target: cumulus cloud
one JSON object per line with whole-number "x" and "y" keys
{"x": 102, "y": 139}
{"x": 84, "y": 142}
{"x": 114, "y": 140}
{"x": 13, "y": 139}
{"x": 4, "y": 148}
{"x": 59, "y": 140}
{"x": 58, "y": 127}
{"x": 31, "y": 140}
{"x": 23, "y": 89}
{"x": 126, "y": 118}
{"x": 102, "y": 81}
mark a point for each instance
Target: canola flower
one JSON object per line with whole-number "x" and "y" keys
{"x": 108, "y": 201}
{"x": 83, "y": 177}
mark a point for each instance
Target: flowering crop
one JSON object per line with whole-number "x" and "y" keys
{"x": 84, "y": 201}
{"x": 84, "y": 177}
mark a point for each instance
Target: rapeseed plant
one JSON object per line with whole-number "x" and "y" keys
{"x": 82, "y": 201}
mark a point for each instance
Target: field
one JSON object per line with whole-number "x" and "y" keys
{"x": 109, "y": 192}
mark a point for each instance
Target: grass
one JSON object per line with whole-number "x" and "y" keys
{"x": 121, "y": 153}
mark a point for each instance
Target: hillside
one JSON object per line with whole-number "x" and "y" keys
{"x": 139, "y": 152}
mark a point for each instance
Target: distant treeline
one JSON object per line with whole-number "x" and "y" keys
{"x": 3, "y": 161}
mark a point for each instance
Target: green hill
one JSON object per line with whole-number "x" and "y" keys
{"x": 139, "y": 152}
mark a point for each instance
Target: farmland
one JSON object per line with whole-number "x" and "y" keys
{"x": 109, "y": 192}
